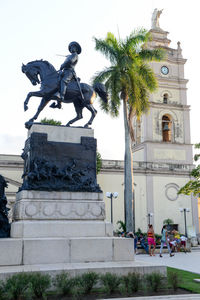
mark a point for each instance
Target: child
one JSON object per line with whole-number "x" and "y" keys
{"x": 183, "y": 242}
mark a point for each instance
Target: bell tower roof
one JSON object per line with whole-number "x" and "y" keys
{"x": 159, "y": 38}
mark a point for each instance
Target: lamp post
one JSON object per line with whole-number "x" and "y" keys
{"x": 111, "y": 196}
{"x": 184, "y": 210}
{"x": 149, "y": 215}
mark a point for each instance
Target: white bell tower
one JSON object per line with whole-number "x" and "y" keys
{"x": 162, "y": 153}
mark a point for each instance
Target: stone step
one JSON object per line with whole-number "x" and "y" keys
{"x": 31, "y": 251}
{"x": 195, "y": 248}
{"x": 60, "y": 228}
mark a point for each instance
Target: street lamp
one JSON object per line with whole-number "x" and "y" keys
{"x": 111, "y": 196}
{"x": 149, "y": 217}
{"x": 184, "y": 210}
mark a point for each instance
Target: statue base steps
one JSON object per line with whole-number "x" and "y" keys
{"x": 35, "y": 251}
{"x": 63, "y": 227}
{"x": 40, "y": 214}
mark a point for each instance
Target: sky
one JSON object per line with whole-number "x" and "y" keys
{"x": 42, "y": 29}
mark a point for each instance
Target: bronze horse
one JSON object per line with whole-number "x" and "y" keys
{"x": 49, "y": 80}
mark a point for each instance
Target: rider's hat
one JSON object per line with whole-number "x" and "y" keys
{"x": 78, "y": 47}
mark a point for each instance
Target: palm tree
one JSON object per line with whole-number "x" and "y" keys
{"x": 128, "y": 79}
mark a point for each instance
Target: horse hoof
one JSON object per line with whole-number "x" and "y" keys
{"x": 67, "y": 125}
{"x": 86, "y": 126}
{"x": 53, "y": 105}
{"x": 28, "y": 124}
{"x": 25, "y": 107}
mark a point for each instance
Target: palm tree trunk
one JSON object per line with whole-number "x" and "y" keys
{"x": 128, "y": 173}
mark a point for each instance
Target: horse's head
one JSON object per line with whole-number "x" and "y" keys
{"x": 31, "y": 72}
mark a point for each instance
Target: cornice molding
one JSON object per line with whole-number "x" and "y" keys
{"x": 169, "y": 105}
{"x": 13, "y": 182}
{"x": 172, "y": 79}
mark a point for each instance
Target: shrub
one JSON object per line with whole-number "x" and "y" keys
{"x": 125, "y": 283}
{"x": 77, "y": 289}
{"x": 139, "y": 232}
{"x": 158, "y": 239}
{"x": 122, "y": 227}
{"x": 154, "y": 281}
{"x": 2, "y": 289}
{"x": 131, "y": 282}
{"x": 88, "y": 281}
{"x": 18, "y": 286}
{"x": 110, "y": 282}
{"x": 134, "y": 282}
{"x": 173, "y": 280}
{"x": 98, "y": 162}
{"x": 50, "y": 121}
{"x": 64, "y": 284}
{"x": 40, "y": 283}
{"x": 168, "y": 221}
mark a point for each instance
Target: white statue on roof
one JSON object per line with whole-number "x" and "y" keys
{"x": 155, "y": 18}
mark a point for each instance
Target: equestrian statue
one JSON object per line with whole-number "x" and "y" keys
{"x": 63, "y": 86}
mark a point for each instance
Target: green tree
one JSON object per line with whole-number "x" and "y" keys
{"x": 193, "y": 185}
{"x": 50, "y": 122}
{"x": 128, "y": 80}
{"x": 99, "y": 162}
{"x": 168, "y": 221}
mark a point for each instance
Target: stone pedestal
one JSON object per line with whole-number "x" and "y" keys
{"x": 40, "y": 214}
{"x": 59, "y": 215}
{"x": 63, "y": 225}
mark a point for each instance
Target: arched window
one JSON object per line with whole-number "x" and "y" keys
{"x": 165, "y": 98}
{"x": 166, "y": 128}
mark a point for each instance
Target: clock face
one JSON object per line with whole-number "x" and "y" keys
{"x": 164, "y": 70}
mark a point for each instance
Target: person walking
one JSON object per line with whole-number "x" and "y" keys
{"x": 151, "y": 240}
{"x": 164, "y": 240}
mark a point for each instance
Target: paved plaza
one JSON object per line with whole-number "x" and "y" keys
{"x": 189, "y": 262}
{"x": 185, "y": 261}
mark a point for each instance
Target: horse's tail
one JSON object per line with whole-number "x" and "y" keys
{"x": 100, "y": 89}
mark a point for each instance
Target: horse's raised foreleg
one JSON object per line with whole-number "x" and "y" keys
{"x": 78, "y": 116}
{"x": 31, "y": 94}
{"x": 93, "y": 111}
{"x": 42, "y": 105}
